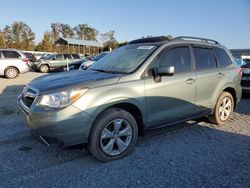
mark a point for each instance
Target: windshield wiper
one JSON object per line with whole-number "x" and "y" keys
{"x": 109, "y": 71}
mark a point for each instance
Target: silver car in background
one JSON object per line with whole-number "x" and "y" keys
{"x": 90, "y": 62}
{"x": 12, "y": 63}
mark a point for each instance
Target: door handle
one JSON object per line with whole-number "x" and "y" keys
{"x": 190, "y": 81}
{"x": 220, "y": 74}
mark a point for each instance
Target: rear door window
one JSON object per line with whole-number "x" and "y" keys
{"x": 11, "y": 54}
{"x": 76, "y": 56}
{"x": 223, "y": 58}
{"x": 204, "y": 58}
{"x": 177, "y": 57}
{"x": 67, "y": 56}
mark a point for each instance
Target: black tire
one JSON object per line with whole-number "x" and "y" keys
{"x": 216, "y": 118}
{"x": 104, "y": 119}
{"x": 11, "y": 72}
{"x": 44, "y": 68}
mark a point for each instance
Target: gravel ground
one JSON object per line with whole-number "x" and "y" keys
{"x": 192, "y": 154}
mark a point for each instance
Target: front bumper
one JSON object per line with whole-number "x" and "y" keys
{"x": 63, "y": 127}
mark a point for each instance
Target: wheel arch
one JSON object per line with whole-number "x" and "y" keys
{"x": 130, "y": 107}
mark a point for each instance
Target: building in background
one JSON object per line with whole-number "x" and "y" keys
{"x": 78, "y": 46}
{"x": 238, "y": 53}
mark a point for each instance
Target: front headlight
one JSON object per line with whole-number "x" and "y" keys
{"x": 61, "y": 99}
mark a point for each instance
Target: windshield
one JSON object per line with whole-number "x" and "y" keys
{"x": 125, "y": 59}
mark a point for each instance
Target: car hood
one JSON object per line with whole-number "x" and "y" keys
{"x": 72, "y": 79}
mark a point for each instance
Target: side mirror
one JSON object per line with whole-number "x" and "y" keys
{"x": 165, "y": 71}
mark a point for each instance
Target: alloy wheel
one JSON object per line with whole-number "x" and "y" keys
{"x": 116, "y": 137}
{"x": 225, "y": 108}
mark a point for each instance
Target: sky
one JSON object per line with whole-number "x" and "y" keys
{"x": 227, "y": 21}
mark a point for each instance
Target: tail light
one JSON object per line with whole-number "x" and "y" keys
{"x": 239, "y": 71}
{"x": 25, "y": 61}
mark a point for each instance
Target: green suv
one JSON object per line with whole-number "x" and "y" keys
{"x": 149, "y": 83}
{"x": 55, "y": 61}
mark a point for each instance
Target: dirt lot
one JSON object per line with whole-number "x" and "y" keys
{"x": 193, "y": 154}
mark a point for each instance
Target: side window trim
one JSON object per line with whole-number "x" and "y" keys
{"x": 178, "y": 46}
{"x": 191, "y": 58}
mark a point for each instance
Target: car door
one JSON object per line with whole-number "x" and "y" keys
{"x": 172, "y": 99}
{"x": 208, "y": 78}
{"x": 56, "y": 61}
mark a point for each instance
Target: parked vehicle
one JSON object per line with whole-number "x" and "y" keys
{"x": 149, "y": 83}
{"x": 12, "y": 63}
{"x": 31, "y": 59}
{"x": 90, "y": 62}
{"x": 74, "y": 66}
{"x": 245, "y": 80}
{"x": 55, "y": 61}
{"x": 240, "y": 62}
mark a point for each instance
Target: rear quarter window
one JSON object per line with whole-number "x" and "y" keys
{"x": 11, "y": 54}
{"x": 67, "y": 56}
{"x": 223, "y": 58}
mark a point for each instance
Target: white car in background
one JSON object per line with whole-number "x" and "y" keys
{"x": 90, "y": 62}
{"x": 12, "y": 63}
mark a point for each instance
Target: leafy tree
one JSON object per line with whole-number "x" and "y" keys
{"x": 56, "y": 29}
{"x": 84, "y": 31}
{"x": 123, "y": 43}
{"x": 46, "y": 44}
{"x": 19, "y": 35}
{"x": 67, "y": 31}
{"x": 2, "y": 40}
{"x": 109, "y": 41}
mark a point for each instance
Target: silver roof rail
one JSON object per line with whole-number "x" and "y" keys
{"x": 197, "y": 38}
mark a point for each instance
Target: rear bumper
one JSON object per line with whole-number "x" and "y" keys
{"x": 24, "y": 69}
{"x": 246, "y": 89}
{"x": 64, "y": 127}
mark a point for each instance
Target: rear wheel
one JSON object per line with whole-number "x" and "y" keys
{"x": 11, "y": 72}
{"x": 44, "y": 68}
{"x": 223, "y": 109}
{"x": 113, "y": 136}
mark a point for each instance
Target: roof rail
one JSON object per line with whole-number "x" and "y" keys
{"x": 150, "y": 39}
{"x": 197, "y": 38}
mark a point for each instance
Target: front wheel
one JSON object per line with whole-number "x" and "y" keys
{"x": 113, "y": 135}
{"x": 223, "y": 109}
{"x": 44, "y": 68}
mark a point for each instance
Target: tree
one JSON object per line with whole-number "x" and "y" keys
{"x": 19, "y": 35}
{"x": 56, "y": 30}
{"x": 2, "y": 40}
{"x": 67, "y": 31}
{"x": 109, "y": 41}
{"x": 46, "y": 44}
{"x": 84, "y": 31}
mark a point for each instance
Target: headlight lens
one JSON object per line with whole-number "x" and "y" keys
{"x": 61, "y": 99}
